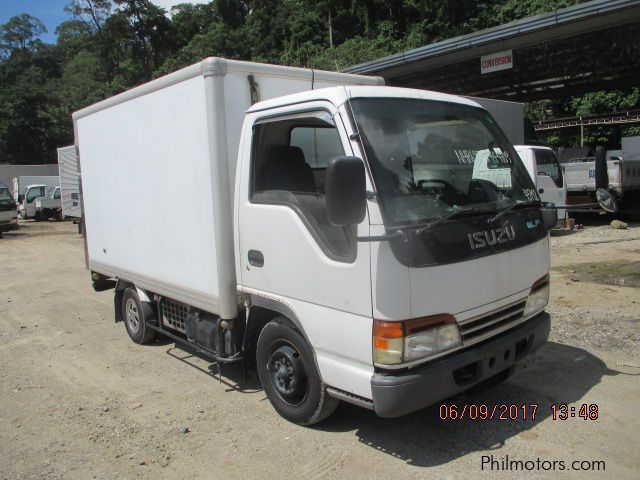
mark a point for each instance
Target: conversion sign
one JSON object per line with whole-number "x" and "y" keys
{"x": 496, "y": 61}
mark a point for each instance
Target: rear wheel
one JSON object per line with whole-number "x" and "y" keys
{"x": 289, "y": 375}
{"x": 137, "y": 314}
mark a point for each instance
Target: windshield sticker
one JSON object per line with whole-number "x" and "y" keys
{"x": 499, "y": 160}
{"x": 466, "y": 157}
{"x": 531, "y": 194}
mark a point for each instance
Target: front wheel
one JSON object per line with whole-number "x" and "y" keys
{"x": 137, "y": 314}
{"x": 289, "y": 375}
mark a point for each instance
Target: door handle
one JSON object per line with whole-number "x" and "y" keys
{"x": 256, "y": 258}
{"x": 541, "y": 190}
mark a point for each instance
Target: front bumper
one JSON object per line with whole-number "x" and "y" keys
{"x": 399, "y": 394}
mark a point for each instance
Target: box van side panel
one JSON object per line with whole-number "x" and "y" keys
{"x": 134, "y": 154}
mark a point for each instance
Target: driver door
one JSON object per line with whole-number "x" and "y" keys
{"x": 288, "y": 252}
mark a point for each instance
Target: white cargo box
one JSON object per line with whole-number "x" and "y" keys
{"x": 157, "y": 165}
{"x": 69, "y": 183}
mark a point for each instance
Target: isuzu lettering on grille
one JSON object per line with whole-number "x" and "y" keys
{"x": 491, "y": 237}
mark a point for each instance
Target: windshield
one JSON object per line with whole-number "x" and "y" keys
{"x": 432, "y": 158}
{"x": 548, "y": 165}
{"x": 35, "y": 192}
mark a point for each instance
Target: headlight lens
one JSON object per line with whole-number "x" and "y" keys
{"x": 432, "y": 341}
{"x": 538, "y": 298}
{"x": 405, "y": 341}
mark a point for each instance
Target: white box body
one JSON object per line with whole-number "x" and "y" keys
{"x": 152, "y": 184}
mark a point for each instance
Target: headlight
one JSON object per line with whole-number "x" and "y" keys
{"x": 538, "y": 297}
{"x": 405, "y": 341}
{"x": 430, "y": 342}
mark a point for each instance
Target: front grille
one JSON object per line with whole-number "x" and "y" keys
{"x": 173, "y": 314}
{"x": 478, "y": 328}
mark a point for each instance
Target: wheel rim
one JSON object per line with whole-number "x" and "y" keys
{"x": 288, "y": 374}
{"x": 132, "y": 315}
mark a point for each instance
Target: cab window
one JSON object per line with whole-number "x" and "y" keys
{"x": 289, "y": 160}
{"x": 547, "y": 164}
{"x": 34, "y": 193}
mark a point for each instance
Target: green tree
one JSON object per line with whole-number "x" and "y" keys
{"x": 91, "y": 12}
{"x": 21, "y": 33}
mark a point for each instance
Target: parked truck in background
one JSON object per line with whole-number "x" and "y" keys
{"x": 44, "y": 208}
{"x": 22, "y": 183}
{"x": 9, "y": 172}
{"x": 337, "y": 239}
{"x": 69, "y": 182}
{"x": 623, "y": 169}
{"x": 8, "y": 214}
{"x": 542, "y": 164}
{"x": 27, "y": 188}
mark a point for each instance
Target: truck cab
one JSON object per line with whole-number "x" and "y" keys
{"x": 395, "y": 301}
{"x": 543, "y": 168}
{"x": 542, "y": 164}
{"x": 38, "y": 201}
{"x": 27, "y": 206}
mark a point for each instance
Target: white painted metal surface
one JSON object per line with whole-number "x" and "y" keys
{"x": 69, "y": 182}
{"x": 547, "y": 188}
{"x": 331, "y": 298}
{"x": 581, "y": 176}
{"x": 508, "y": 115}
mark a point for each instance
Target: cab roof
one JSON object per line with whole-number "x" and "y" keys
{"x": 338, "y": 95}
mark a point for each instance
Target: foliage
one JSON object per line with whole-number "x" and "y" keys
{"x": 112, "y": 45}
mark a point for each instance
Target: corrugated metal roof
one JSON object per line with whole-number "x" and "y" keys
{"x": 508, "y": 30}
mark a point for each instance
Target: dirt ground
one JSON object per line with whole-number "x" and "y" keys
{"x": 79, "y": 400}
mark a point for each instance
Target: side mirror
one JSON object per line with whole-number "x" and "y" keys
{"x": 549, "y": 215}
{"x": 606, "y": 201}
{"x": 345, "y": 191}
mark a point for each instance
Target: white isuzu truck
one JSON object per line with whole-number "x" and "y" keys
{"x": 331, "y": 233}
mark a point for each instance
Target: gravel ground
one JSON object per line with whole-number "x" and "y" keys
{"x": 79, "y": 400}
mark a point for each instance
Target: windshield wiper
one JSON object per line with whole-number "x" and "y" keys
{"x": 507, "y": 209}
{"x": 421, "y": 228}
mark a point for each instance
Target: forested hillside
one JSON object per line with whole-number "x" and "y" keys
{"x": 112, "y": 45}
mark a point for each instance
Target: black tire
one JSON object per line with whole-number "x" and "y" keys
{"x": 136, "y": 314}
{"x": 289, "y": 376}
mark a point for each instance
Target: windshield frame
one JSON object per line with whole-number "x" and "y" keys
{"x": 493, "y": 128}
